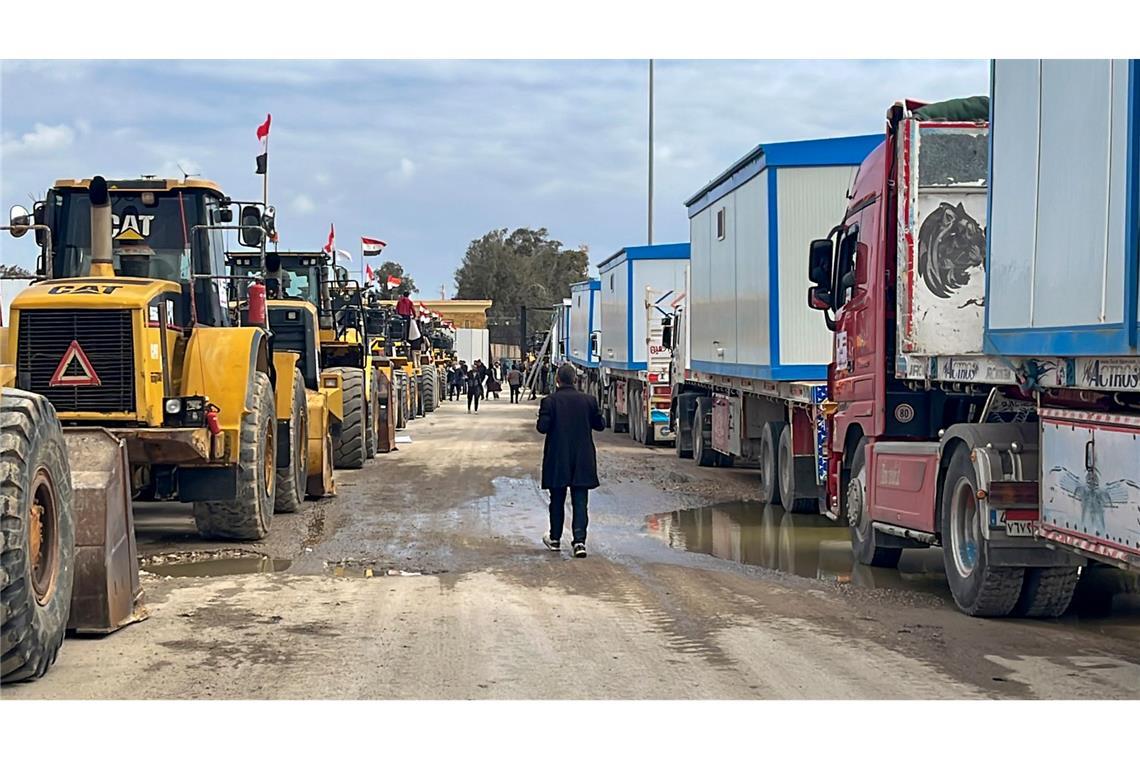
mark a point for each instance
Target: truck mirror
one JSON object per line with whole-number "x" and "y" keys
{"x": 19, "y": 220}
{"x": 819, "y": 262}
{"x": 667, "y": 332}
{"x": 224, "y": 215}
{"x": 250, "y": 232}
{"x": 819, "y": 298}
{"x": 39, "y": 214}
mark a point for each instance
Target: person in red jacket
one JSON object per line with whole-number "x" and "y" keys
{"x": 406, "y": 309}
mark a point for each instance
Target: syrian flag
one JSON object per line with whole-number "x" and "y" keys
{"x": 371, "y": 246}
{"x": 331, "y": 245}
{"x": 369, "y": 273}
{"x": 263, "y": 141}
{"x": 393, "y": 281}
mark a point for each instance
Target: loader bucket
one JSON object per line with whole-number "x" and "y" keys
{"x": 106, "y": 595}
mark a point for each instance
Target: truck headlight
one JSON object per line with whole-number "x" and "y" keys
{"x": 173, "y": 406}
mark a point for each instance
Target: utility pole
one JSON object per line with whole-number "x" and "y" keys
{"x": 650, "y": 151}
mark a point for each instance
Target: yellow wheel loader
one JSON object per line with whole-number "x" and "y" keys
{"x": 311, "y": 405}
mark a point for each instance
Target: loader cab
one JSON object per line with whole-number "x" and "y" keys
{"x": 153, "y": 237}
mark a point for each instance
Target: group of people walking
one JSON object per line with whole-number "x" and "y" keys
{"x": 479, "y": 381}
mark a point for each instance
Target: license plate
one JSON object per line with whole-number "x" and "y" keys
{"x": 1024, "y": 528}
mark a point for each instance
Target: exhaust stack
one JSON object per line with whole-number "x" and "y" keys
{"x": 102, "y": 264}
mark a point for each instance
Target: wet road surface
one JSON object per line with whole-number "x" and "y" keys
{"x": 425, "y": 578}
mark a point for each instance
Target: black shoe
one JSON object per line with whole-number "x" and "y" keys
{"x": 552, "y": 544}
{"x": 579, "y": 550}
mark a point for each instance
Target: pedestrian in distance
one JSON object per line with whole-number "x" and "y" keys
{"x": 567, "y": 418}
{"x": 475, "y": 378}
{"x": 514, "y": 379}
{"x": 450, "y": 382}
{"x": 460, "y": 380}
{"x": 494, "y": 381}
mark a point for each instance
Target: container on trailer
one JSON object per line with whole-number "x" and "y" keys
{"x": 624, "y": 279}
{"x": 585, "y": 321}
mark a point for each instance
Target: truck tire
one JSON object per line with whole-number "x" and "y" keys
{"x": 769, "y": 462}
{"x": 372, "y": 420}
{"x": 401, "y": 400}
{"x": 703, "y": 453}
{"x": 635, "y": 420}
{"x": 978, "y": 589}
{"x": 864, "y": 538}
{"x": 1046, "y": 592}
{"x": 429, "y": 389}
{"x": 291, "y": 480}
{"x": 789, "y": 484}
{"x": 682, "y": 403}
{"x": 249, "y": 514}
{"x": 349, "y": 447}
{"x": 38, "y": 529}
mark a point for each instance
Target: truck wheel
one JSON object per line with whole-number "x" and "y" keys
{"x": 635, "y": 420}
{"x": 248, "y": 515}
{"x": 349, "y": 447}
{"x": 863, "y": 537}
{"x": 769, "y": 463}
{"x": 618, "y": 426}
{"x": 38, "y": 556}
{"x": 979, "y": 590}
{"x": 683, "y": 444}
{"x": 291, "y": 479}
{"x": 1047, "y": 591}
{"x": 787, "y": 465}
{"x": 429, "y": 389}
{"x": 703, "y": 453}
{"x": 372, "y": 420}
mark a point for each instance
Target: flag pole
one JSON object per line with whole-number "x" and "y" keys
{"x": 265, "y": 202}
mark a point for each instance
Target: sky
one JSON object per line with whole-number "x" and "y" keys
{"x": 429, "y": 155}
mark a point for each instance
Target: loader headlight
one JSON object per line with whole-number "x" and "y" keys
{"x": 173, "y": 406}
{"x": 187, "y": 411}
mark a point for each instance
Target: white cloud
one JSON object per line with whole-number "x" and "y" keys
{"x": 43, "y": 138}
{"x": 303, "y": 204}
{"x": 405, "y": 171}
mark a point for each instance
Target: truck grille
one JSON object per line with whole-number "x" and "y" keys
{"x": 104, "y": 336}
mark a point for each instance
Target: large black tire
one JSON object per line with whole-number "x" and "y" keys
{"x": 703, "y": 453}
{"x": 249, "y": 514}
{"x": 349, "y": 451}
{"x": 291, "y": 480}
{"x": 683, "y": 445}
{"x": 978, "y": 589}
{"x": 35, "y": 488}
{"x": 372, "y": 419}
{"x": 769, "y": 462}
{"x": 401, "y": 381}
{"x": 429, "y": 389}
{"x": 786, "y": 461}
{"x": 1046, "y": 592}
{"x": 864, "y": 537}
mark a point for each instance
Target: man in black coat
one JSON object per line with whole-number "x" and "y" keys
{"x": 569, "y": 460}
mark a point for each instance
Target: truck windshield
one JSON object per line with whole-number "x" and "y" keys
{"x": 953, "y": 156}
{"x": 148, "y": 240}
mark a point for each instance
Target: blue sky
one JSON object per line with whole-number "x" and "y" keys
{"x": 429, "y": 155}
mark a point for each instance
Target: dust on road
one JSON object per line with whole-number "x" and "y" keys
{"x": 425, "y": 578}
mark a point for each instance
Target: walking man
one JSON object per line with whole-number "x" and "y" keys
{"x": 514, "y": 379}
{"x": 450, "y": 382}
{"x": 569, "y": 460}
{"x": 475, "y": 385}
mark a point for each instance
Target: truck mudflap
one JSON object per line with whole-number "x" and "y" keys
{"x": 1090, "y": 485}
{"x": 107, "y": 594}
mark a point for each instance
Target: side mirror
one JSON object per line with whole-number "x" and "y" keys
{"x": 224, "y": 215}
{"x": 251, "y": 234}
{"x": 819, "y": 298}
{"x": 667, "y": 332}
{"x": 39, "y": 214}
{"x": 819, "y": 262}
{"x": 19, "y": 220}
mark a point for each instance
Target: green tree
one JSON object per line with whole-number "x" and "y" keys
{"x": 395, "y": 270}
{"x": 521, "y": 268}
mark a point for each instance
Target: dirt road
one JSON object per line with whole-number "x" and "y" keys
{"x": 425, "y": 578}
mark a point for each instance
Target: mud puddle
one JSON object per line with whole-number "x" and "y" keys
{"x": 812, "y": 546}
{"x": 210, "y": 564}
{"x": 353, "y": 568}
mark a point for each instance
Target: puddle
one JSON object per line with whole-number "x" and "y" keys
{"x": 209, "y": 566}
{"x": 351, "y": 568}
{"x": 812, "y": 546}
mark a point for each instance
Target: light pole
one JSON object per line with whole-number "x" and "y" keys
{"x": 650, "y": 151}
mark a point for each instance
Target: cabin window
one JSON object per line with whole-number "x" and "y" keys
{"x": 720, "y": 224}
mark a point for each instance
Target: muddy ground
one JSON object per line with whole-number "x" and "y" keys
{"x": 425, "y": 578}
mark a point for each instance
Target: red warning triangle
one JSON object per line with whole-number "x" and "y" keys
{"x": 87, "y": 376}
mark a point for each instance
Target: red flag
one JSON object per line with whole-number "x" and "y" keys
{"x": 371, "y": 246}
{"x": 393, "y": 281}
{"x": 368, "y": 272}
{"x": 263, "y": 143}
{"x": 330, "y": 246}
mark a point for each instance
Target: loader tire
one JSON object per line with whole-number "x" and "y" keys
{"x": 429, "y": 389}
{"x": 349, "y": 447}
{"x": 1046, "y": 592}
{"x": 248, "y": 516}
{"x": 35, "y": 490}
{"x": 372, "y": 420}
{"x": 291, "y": 480}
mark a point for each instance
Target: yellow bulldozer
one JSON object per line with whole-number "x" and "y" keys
{"x": 135, "y": 380}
